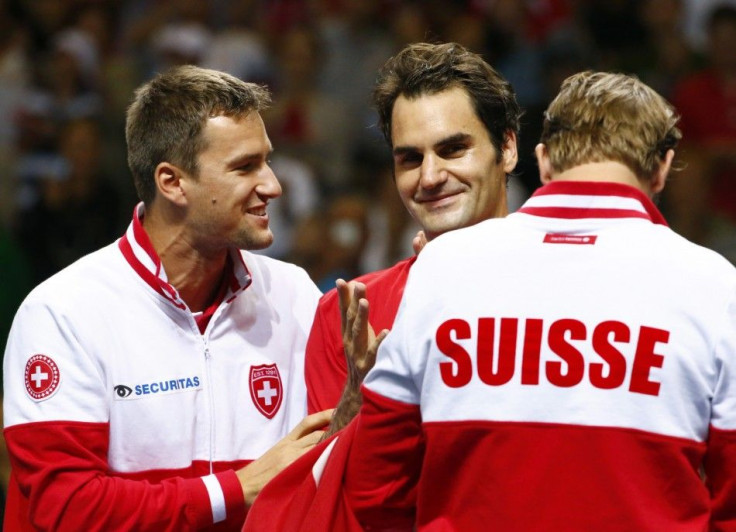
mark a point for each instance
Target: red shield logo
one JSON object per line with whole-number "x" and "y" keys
{"x": 265, "y": 389}
{"x": 42, "y": 377}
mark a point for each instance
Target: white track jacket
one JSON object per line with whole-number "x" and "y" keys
{"x": 120, "y": 414}
{"x": 570, "y": 367}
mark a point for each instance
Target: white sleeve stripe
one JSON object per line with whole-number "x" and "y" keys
{"x": 319, "y": 465}
{"x": 217, "y": 498}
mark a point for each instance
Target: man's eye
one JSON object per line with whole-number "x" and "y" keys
{"x": 453, "y": 149}
{"x": 409, "y": 160}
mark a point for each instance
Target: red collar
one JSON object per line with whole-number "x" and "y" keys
{"x": 137, "y": 249}
{"x": 591, "y": 199}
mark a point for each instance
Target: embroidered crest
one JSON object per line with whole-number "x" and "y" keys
{"x": 266, "y": 389}
{"x": 42, "y": 377}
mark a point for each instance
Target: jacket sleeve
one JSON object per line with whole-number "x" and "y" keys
{"x": 58, "y": 445}
{"x": 720, "y": 462}
{"x": 384, "y": 464}
{"x": 325, "y": 366}
{"x": 60, "y": 468}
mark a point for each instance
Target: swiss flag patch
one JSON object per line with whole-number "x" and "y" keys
{"x": 266, "y": 389}
{"x": 42, "y": 377}
{"x": 552, "y": 238}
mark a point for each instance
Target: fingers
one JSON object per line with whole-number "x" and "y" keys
{"x": 419, "y": 241}
{"x": 311, "y": 439}
{"x": 357, "y": 300}
{"x": 360, "y": 324}
{"x": 350, "y": 296}
{"x": 311, "y": 423}
{"x": 343, "y": 299}
{"x": 370, "y": 355}
{"x": 379, "y": 339}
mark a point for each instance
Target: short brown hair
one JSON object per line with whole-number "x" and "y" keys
{"x": 427, "y": 68}
{"x": 165, "y": 120}
{"x": 601, "y": 116}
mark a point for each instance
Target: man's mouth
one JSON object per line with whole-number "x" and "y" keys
{"x": 257, "y": 211}
{"x": 437, "y": 199}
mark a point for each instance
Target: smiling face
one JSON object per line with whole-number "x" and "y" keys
{"x": 448, "y": 173}
{"x": 227, "y": 199}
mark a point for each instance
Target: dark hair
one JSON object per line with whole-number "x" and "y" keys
{"x": 427, "y": 68}
{"x": 165, "y": 120}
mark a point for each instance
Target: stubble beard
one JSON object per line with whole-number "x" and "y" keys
{"x": 254, "y": 240}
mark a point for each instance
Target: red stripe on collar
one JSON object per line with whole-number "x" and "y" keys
{"x": 154, "y": 282}
{"x": 593, "y": 189}
{"x": 238, "y": 276}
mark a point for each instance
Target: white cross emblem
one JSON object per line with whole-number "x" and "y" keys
{"x": 267, "y": 393}
{"x": 39, "y": 377}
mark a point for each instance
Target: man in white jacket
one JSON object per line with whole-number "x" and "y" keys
{"x": 156, "y": 384}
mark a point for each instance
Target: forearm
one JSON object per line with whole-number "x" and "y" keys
{"x": 349, "y": 405}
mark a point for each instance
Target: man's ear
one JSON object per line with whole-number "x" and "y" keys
{"x": 660, "y": 176}
{"x": 169, "y": 183}
{"x": 545, "y": 165}
{"x": 510, "y": 152}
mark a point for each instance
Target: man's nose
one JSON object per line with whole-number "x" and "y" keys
{"x": 432, "y": 172}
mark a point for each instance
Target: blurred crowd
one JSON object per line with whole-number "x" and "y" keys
{"x": 68, "y": 69}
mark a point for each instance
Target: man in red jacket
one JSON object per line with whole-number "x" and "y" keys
{"x": 451, "y": 122}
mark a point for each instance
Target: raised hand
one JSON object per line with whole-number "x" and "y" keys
{"x": 361, "y": 345}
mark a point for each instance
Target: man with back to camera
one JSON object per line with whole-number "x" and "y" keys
{"x": 569, "y": 367}
{"x": 153, "y": 384}
{"x": 451, "y": 122}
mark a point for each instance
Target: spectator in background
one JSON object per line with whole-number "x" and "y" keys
{"x": 391, "y": 229}
{"x": 167, "y": 33}
{"x": 696, "y": 20}
{"x": 304, "y": 122}
{"x": 300, "y": 198}
{"x": 239, "y": 47}
{"x": 330, "y": 243}
{"x": 76, "y": 211}
{"x": 667, "y": 55}
{"x": 65, "y": 81}
{"x": 356, "y": 39}
{"x": 15, "y": 78}
{"x": 701, "y": 201}
{"x": 345, "y": 239}
{"x": 617, "y": 36}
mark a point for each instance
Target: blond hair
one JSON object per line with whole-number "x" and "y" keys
{"x": 600, "y": 116}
